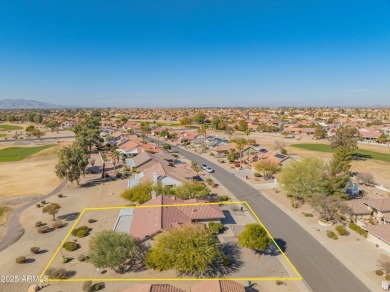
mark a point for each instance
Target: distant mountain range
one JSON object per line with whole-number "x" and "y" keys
{"x": 30, "y": 104}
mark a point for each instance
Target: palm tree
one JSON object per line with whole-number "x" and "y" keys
{"x": 157, "y": 133}
{"x": 240, "y": 147}
{"x": 145, "y": 129}
{"x": 130, "y": 131}
{"x": 115, "y": 157}
{"x": 203, "y": 131}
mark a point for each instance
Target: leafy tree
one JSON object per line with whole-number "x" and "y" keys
{"x": 254, "y": 237}
{"x": 329, "y": 207}
{"x": 267, "y": 167}
{"x": 52, "y": 209}
{"x": 51, "y": 125}
{"x": 304, "y": 179}
{"x": 191, "y": 189}
{"x": 140, "y": 193}
{"x": 383, "y": 139}
{"x": 166, "y": 147}
{"x": 109, "y": 249}
{"x": 242, "y": 126}
{"x": 72, "y": 162}
{"x": 199, "y": 118}
{"x": 87, "y": 132}
{"x": 319, "y": 132}
{"x": 189, "y": 250}
{"x": 339, "y": 169}
{"x": 186, "y": 121}
{"x": 345, "y": 137}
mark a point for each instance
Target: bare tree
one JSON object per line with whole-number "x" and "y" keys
{"x": 384, "y": 263}
{"x": 366, "y": 178}
{"x": 279, "y": 145}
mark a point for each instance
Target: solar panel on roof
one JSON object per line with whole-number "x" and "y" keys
{"x": 281, "y": 156}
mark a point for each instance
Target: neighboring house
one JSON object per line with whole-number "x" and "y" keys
{"x": 159, "y": 168}
{"x": 369, "y": 135}
{"x": 130, "y": 148}
{"x": 379, "y": 235}
{"x": 152, "y": 288}
{"x": 218, "y": 286}
{"x": 273, "y": 156}
{"x": 379, "y": 208}
{"x": 188, "y": 137}
{"x": 359, "y": 210}
{"x": 222, "y": 150}
{"x": 138, "y": 160}
{"x": 147, "y": 222}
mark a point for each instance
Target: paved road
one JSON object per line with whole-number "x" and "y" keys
{"x": 318, "y": 267}
{"x": 14, "y": 229}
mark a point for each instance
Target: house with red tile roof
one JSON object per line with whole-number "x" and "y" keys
{"x": 218, "y": 286}
{"x": 147, "y": 222}
{"x": 152, "y": 288}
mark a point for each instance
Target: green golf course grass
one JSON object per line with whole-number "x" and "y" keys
{"x": 362, "y": 153}
{"x": 19, "y": 153}
{"x": 4, "y": 127}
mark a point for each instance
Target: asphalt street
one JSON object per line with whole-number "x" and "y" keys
{"x": 319, "y": 268}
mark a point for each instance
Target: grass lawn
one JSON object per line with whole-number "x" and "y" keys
{"x": 4, "y": 127}
{"x": 19, "y": 153}
{"x": 362, "y": 153}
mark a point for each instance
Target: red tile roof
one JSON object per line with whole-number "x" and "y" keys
{"x": 218, "y": 286}
{"x": 149, "y": 221}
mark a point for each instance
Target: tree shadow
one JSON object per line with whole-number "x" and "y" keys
{"x": 361, "y": 156}
{"x": 29, "y": 261}
{"x": 71, "y": 274}
{"x": 273, "y": 250}
{"x": 70, "y": 216}
{"x": 94, "y": 182}
{"x": 251, "y": 289}
{"x": 137, "y": 264}
{"x": 42, "y": 251}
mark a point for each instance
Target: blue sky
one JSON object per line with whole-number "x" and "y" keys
{"x": 196, "y": 53}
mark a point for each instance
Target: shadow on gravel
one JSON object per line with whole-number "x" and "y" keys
{"x": 70, "y": 216}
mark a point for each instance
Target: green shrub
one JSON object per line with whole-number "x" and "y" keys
{"x": 256, "y": 174}
{"x": 212, "y": 154}
{"x": 387, "y": 278}
{"x": 358, "y": 229}
{"x": 65, "y": 259}
{"x": 20, "y": 260}
{"x": 38, "y": 224}
{"x": 43, "y": 202}
{"x": 57, "y": 273}
{"x": 118, "y": 174}
{"x": 224, "y": 198}
{"x": 307, "y": 214}
{"x": 60, "y": 195}
{"x": 92, "y": 220}
{"x": 283, "y": 151}
{"x": 279, "y": 282}
{"x": 76, "y": 230}
{"x": 87, "y": 286}
{"x": 341, "y": 230}
{"x": 82, "y": 233}
{"x": 379, "y": 272}
{"x": 34, "y": 249}
{"x": 43, "y": 229}
{"x": 215, "y": 228}
{"x": 81, "y": 258}
{"x": 70, "y": 246}
{"x": 331, "y": 234}
{"x": 38, "y": 205}
{"x": 96, "y": 287}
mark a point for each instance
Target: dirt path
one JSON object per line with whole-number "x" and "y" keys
{"x": 14, "y": 229}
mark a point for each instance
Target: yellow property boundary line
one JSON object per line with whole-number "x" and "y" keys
{"x": 299, "y": 277}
